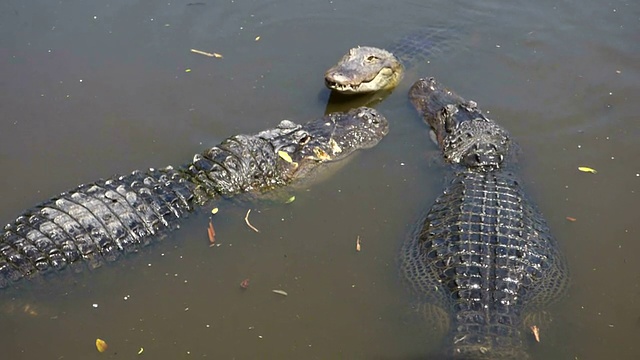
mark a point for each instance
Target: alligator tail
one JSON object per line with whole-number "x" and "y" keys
{"x": 95, "y": 223}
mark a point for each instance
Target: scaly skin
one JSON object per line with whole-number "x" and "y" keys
{"x": 484, "y": 253}
{"x": 101, "y": 221}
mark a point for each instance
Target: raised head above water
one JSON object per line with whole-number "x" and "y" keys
{"x": 364, "y": 69}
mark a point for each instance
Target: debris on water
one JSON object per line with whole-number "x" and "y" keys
{"x": 200, "y": 52}
{"x": 214, "y": 211}
{"x": 321, "y": 154}
{"x": 257, "y": 38}
{"x": 140, "y": 351}
{"x": 101, "y": 345}
{"x": 358, "y": 248}
{"x": 572, "y": 219}
{"x": 280, "y": 292}
{"x": 212, "y": 234}
{"x": 536, "y": 332}
{"x": 290, "y": 200}
{"x": 245, "y": 283}
{"x": 29, "y": 310}
{"x": 187, "y": 70}
{"x": 587, "y": 169}
{"x": 246, "y": 220}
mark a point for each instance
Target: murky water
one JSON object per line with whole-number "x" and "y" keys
{"x": 90, "y": 89}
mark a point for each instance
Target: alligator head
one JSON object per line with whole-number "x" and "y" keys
{"x": 364, "y": 70}
{"x": 301, "y": 148}
{"x": 463, "y": 133}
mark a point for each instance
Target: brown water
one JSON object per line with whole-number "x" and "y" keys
{"x": 89, "y": 89}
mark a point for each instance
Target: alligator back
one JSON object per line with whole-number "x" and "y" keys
{"x": 485, "y": 254}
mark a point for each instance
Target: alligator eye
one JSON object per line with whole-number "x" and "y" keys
{"x": 304, "y": 140}
{"x": 449, "y": 124}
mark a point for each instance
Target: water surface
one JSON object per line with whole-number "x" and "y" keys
{"x": 94, "y": 89}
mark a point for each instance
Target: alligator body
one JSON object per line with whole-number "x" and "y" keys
{"x": 99, "y": 222}
{"x": 366, "y": 69}
{"x": 484, "y": 254}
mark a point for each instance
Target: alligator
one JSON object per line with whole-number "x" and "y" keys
{"x": 102, "y": 221}
{"x": 484, "y": 255}
{"x": 366, "y": 69}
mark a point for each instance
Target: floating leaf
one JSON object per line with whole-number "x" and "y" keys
{"x": 214, "y": 211}
{"x": 587, "y": 169}
{"x": 280, "y": 292}
{"x": 187, "y": 70}
{"x": 140, "y": 351}
{"x": 212, "y": 233}
{"x": 290, "y": 200}
{"x": 285, "y": 156}
{"x": 257, "y": 38}
{"x": 572, "y": 219}
{"x": 358, "y": 243}
{"x": 101, "y": 345}
{"x": 536, "y": 332}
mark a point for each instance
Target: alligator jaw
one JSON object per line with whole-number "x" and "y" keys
{"x": 385, "y": 78}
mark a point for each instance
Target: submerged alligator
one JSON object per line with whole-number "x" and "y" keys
{"x": 99, "y": 222}
{"x": 484, "y": 254}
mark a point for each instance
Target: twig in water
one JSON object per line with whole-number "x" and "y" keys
{"x": 246, "y": 220}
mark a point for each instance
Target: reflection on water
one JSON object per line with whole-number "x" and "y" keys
{"x": 90, "y": 90}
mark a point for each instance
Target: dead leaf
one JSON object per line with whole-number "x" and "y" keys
{"x": 321, "y": 154}
{"x": 572, "y": 219}
{"x": 285, "y": 156}
{"x": 212, "y": 233}
{"x": 358, "y": 243}
{"x": 536, "y": 332}
{"x": 280, "y": 292}
{"x": 101, "y": 345}
{"x": 587, "y": 169}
